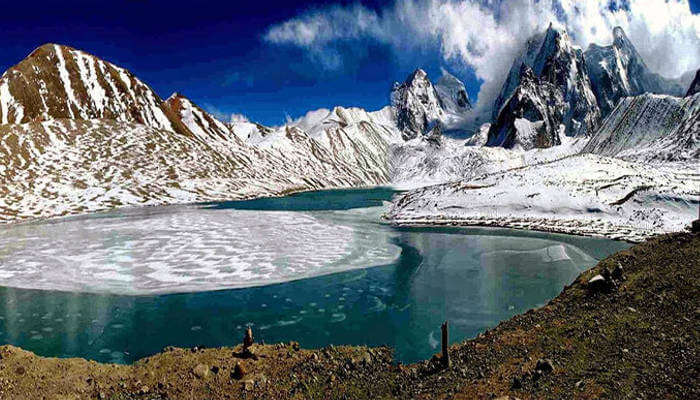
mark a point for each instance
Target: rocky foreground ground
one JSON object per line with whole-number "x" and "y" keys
{"x": 627, "y": 328}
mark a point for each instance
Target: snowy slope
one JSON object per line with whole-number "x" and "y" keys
{"x": 418, "y": 162}
{"x": 651, "y": 128}
{"x": 64, "y": 166}
{"x": 585, "y": 194}
{"x": 200, "y": 123}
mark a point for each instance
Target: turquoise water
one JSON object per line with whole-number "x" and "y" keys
{"x": 474, "y": 278}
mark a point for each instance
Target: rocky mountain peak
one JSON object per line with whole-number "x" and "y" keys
{"x": 618, "y": 71}
{"x": 620, "y": 39}
{"x": 57, "y": 81}
{"x": 416, "y": 104}
{"x": 556, "y": 41}
{"x": 195, "y": 120}
{"x": 532, "y": 117}
{"x": 549, "y": 58}
{"x": 453, "y": 93}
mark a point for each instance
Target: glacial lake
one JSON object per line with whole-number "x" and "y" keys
{"x": 319, "y": 268}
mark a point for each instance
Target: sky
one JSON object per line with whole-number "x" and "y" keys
{"x": 279, "y": 59}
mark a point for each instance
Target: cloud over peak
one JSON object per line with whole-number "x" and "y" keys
{"x": 486, "y": 35}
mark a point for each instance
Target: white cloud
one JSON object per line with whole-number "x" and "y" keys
{"x": 485, "y": 35}
{"x": 224, "y": 116}
{"x": 238, "y": 118}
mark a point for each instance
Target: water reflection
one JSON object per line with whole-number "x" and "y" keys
{"x": 474, "y": 278}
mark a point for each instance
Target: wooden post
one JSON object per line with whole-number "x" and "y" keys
{"x": 445, "y": 343}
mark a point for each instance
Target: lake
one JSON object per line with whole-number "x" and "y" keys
{"x": 319, "y": 268}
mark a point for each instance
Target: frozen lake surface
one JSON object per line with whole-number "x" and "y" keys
{"x": 122, "y": 285}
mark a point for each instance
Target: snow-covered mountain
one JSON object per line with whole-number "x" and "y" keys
{"x": 61, "y": 82}
{"x": 532, "y": 117}
{"x": 636, "y": 175}
{"x": 417, "y": 105}
{"x": 420, "y": 107}
{"x": 550, "y": 95}
{"x": 618, "y": 71}
{"x": 694, "y": 86}
{"x": 454, "y": 97}
{"x": 80, "y": 134}
{"x": 527, "y": 56}
{"x": 651, "y": 127}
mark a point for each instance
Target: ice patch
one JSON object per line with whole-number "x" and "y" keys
{"x": 189, "y": 249}
{"x": 338, "y": 317}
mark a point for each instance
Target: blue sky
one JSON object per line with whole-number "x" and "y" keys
{"x": 238, "y": 57}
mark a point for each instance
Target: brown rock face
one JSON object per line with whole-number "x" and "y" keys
{"x": 57, "y": 81}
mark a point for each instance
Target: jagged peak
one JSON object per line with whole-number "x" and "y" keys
{"x": 622, "y": 42}
{"x": 419, "y": 73}
{"x": 556, "y": 40}
{"x": 619, "y": 36}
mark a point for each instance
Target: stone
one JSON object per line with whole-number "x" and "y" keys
{"x": 239, "y": 371}
{"x": 517, "y": 383}
{"x": 544, "y": 365}
{"x": 201, "y": 371}
{"x": 248, "y": 384}
{"x": 617, "y": 272}
{"x": 248, "y": 338}
{"x": 597, "y": 284}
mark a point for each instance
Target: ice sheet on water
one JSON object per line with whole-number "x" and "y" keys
{"x": 188, "y": 249}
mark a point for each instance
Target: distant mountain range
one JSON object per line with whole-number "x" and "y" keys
{"x": 79, "y": 134}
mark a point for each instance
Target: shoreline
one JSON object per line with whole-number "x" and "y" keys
{"x": 565, "y": 227}
{"x": 598, "y": 343}
{"x": 127, "y": 207}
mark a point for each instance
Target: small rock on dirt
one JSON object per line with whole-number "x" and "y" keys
{"x": 201, "y": 371}
{"x": 544, "y": 365}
